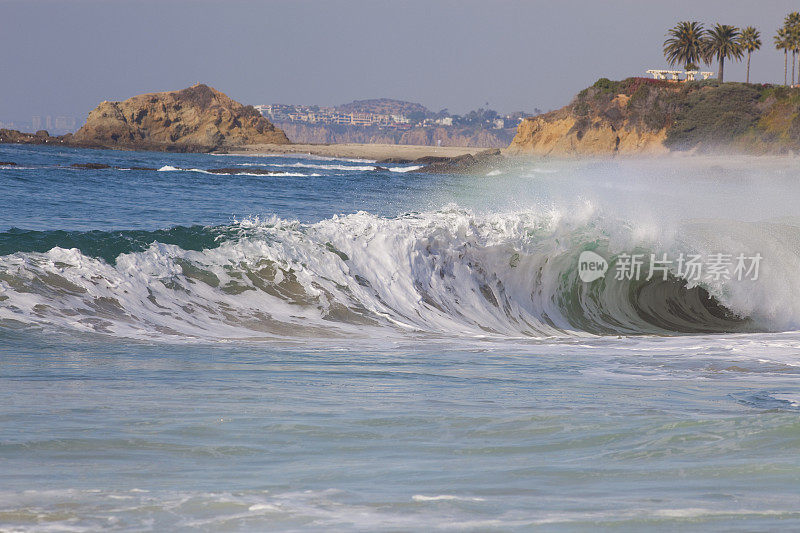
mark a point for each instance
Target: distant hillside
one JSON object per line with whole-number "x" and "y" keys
{"x": 387, "y": 121}
{"x": 429, "y": 136}
{"x": 639, "y": 115}
{"x": 384, "y": 106}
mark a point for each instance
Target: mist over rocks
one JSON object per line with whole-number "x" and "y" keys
{"x": 196, "y": 119}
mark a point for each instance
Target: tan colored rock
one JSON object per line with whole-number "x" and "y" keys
{"x": 558, "y": 136}
{"x": 199, "y": 118}
{"x": 599, "y": 122}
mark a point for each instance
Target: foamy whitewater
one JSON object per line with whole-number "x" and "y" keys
{"x": 341, "y": 345}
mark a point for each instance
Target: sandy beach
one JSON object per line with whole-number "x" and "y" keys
{"x": 359, "y": 151}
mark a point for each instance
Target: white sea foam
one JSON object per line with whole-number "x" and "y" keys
{"x": 449, "y": 272}
{"x": 445, "y": 497}
{"x": 793, "y": 399}
{"x": 277, "y": 174}
{"x": 325, "y": 167}
{"x": 290, "y": 155}
{"x": 169, "y": 168}
{"x": 363, "y": 168}
{"x": 405, "y": 169}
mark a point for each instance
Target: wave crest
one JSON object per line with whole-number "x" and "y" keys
{"x": 449, "y": 272}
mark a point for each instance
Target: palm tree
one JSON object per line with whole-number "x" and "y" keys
{"x": 793, "y": 36}
{"x": 781, "y": 41}
{"x": 792, "y": 26}
{"x": 722, "y": 43}
{"x": 750, "y": 41}
{"x": 685, "y": 44}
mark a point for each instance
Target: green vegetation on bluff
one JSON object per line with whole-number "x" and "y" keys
{"x": 702, "y": 115}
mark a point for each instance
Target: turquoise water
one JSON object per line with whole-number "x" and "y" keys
{"x": 340, "y": 348}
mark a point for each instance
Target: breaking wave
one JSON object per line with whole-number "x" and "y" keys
{"x": 448, "y": 272}
{"x": 407, "y": 168}
{"x": 169, "y": 168}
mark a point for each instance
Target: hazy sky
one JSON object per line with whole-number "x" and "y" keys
{"x": 62, "y": 57}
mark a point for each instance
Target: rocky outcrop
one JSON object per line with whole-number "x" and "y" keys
{"x": 17, "y": 137}
{"x": 644, "y": 116}
{"x": 197, "y": 119}
{"x": 480, "y": 163}
{"x": 90, "y": 166}
{"x": 599, "y": 121}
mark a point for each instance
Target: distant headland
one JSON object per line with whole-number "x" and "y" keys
{"x": 195, "y": 119}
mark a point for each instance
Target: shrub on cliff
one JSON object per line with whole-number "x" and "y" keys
{"x": 713, "y": 114}
{"x": 607, "y": 86}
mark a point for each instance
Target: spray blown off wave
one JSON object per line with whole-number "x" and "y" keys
{"x": 448, "y": 272}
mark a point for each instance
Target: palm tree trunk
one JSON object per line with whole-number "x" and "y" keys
{"x": 793, "y": 55}
{"x": 785, "y": 65}
{"x": 721, "y": 69}
{"x": 748, "y": 67}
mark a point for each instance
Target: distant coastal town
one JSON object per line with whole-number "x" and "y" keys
{"x": 406, "y": 115}
{"x": 58, "y": 124}
{"x": 330, "y": 115}
{"x": 389, "y": 121}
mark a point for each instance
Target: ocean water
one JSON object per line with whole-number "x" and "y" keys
{"x": 340, "y": 348}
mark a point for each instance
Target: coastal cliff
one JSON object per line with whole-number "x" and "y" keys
{"x": 196, "y": 119}
{"x": 643, "y": 116}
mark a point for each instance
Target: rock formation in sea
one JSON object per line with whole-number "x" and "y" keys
{"x": 644, "y": 116}
{"x": 480, "y": 163}
{"x": 196, "y": 119}
{"x": 17, "y": 137}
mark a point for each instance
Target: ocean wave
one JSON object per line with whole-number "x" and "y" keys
{"x": 300, "y": 155}
{"x": 405, "y": 169}
{"x": 363, "y": 168}
{"x": 449, "y": 272}
{"x": 169, "y": 168}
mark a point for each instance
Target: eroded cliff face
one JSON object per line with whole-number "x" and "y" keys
{"x": 199, "y": 118}
{"x": 560, "y": 137}
{"x": 645, "y": 116}
{"x": 581, "y": 130}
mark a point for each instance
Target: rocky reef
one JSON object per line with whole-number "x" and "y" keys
{"x": 17, "y": 137}
{"x": 644, "y": 116}
{"x": 479, "y": 163}
{"x": 197, "y": 119}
